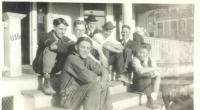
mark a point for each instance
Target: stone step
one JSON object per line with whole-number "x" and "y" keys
{"x": 51, "y": 108}
{"x": 137, "y": 108}
{"x": 34, "y": 99}
{"x": 13, "y": 85}
{"x": 126, "y": 100}
{"x": 117, "y": 88}
{"x": 143, "y": 107}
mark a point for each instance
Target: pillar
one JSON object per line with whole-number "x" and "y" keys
{"x": 110, "y": 17}
{"x": 1, "y": 45}
{"x": 12, "y": 43}
{"x": 109, "y": 13}
{"x": 49, "y": 18}
{"x": 81, "y": 12}
{"x": 2, "y": 52}
{"x": 18, "y": 102}
{"x": 128, "y": 15}
{"x": 33, "y": 31}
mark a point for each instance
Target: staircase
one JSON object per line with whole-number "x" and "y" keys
{"x": 121, "y": 99}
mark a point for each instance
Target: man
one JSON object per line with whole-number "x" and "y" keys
{"x": 52, "y": 49}
{"x": 124, "y": 59}
{"x": 84, "y": 82}
{"x": 79, "y": 31}
{"x": 105, "y": 39}
{"x": 146, "y": 75}
{"x": 91, "y": 28}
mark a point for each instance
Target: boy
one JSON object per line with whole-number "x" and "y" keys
{"x": 146, "y": 74}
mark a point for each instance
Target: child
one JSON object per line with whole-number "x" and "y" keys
{"x": 146, "y": 74}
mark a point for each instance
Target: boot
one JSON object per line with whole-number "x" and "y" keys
{"x": 46, "y": 86}
{"x": 151, "y": 103}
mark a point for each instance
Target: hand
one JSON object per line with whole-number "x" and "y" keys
{"x": 103, "y": 84}
{"x": 54, "y": 46}
{"x": 152, "y": 74}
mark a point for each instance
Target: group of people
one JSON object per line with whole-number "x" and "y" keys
{"x": 83, "y": 60}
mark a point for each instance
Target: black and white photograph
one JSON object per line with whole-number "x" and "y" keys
{"x": 99, "y": 55}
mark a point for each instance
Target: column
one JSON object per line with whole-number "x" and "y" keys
{"x": 33, "y": 32}
{"x": 49, "y": 18}
{"x": 109, "y": 13}
{"x": 128, "y": 15}
{"x": 18, "y": 102}
{"x": 81, "y": 12}
{"x": 1, "y": 45}
{"x": 110, "y": 17}
{"x": 12, "y": 41}
{"x": 2, "y": 53}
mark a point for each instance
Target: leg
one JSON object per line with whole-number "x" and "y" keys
{"x": 127, "y": 57}
{"x": 166, "y": 100}
{"x": 92, "y": 98}
{"x": 49, "y": 60}
{"x": 156, "y": 82}
{"x": 88, "y": 95}
{"x": 105, "y": 100}
{"x": 155, "y": 86}
{"x": 146, "y": 84}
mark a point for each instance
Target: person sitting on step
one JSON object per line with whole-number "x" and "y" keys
{"x": 51, "y": 53}
{"x": 84, "y": 82}
{"x": 146, "y": 75}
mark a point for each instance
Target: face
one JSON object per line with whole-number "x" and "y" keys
{"x": 91, "y": 25}
{"x": 60, "y": 30}
{"x": 84, "y": 49}
{"x": 125, "y": 33}
{"x": 79, "y": 30}
{"x": 143, "y": 54}
{"x": 107, "y": 33}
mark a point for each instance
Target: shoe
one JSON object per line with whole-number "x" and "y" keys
{"x": 125, "y": 80}
{"x": 153, "y": 105}
{"x": 46, "y": 86}
{"x": 154, "y": 95}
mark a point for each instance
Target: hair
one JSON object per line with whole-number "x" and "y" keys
{"x": 59, "y": 21}
{"x": 138, "y": 38}
{"x": 145, "y": 46}
{"x": 81, "y": 39}
{"x": 126, "y": 26}
{"x": 77, "y": 22}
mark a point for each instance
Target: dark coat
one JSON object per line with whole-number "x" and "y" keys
{"x": 45, "y": 40}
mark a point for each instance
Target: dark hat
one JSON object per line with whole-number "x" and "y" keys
{"x": 108, "y": 26}
{"x": 91, "y": 18}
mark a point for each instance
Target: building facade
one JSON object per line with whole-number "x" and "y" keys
{"x": 171, "y": 36}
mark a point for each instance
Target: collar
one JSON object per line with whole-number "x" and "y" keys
{"x": 55, "y": 35}
{"x": 76, "y": 54}
{"x": 127, "y": 40}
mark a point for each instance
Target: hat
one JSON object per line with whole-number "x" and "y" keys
{"x": 91, "y": 18}
{"x": 108, "y": 26}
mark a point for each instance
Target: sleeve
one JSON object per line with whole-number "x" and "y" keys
{"x": 75, "y": 67}
{"x": 153, "y": 63}
{"x": 63, "y": 45}
{"x": 98, "y": 38}
{"x": 94, "y": 66}
{"x": 137, "y": 64}
{"x": 45, "y": 39}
